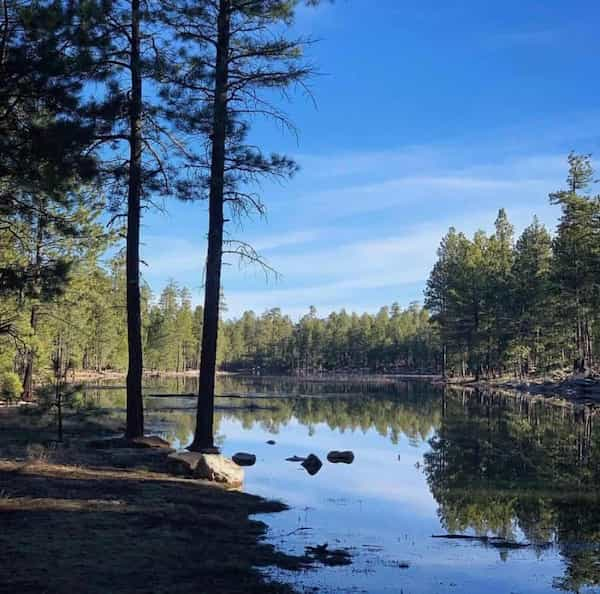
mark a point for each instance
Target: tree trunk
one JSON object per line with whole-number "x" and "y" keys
{"x": 204, "y": 437}
{"x": 33, "y": 320}
{"x": 135, "y": 411}
{"x": 30, "y": 359}
{"x": 444, "y": 360}
{"x": 59, "y": 411}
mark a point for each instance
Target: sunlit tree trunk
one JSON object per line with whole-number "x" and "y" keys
{"x": 204, "y": 437}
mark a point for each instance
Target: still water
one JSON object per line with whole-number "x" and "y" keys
{"x": 522, "y": 473}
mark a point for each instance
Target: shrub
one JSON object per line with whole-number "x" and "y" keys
{"x": 36, "y": 452}
{"x": 10, "y": 386}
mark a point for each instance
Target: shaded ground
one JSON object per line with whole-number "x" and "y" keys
{"x": 75, "y": 519}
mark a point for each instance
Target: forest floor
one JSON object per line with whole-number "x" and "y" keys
{"x": 77, "y": 519}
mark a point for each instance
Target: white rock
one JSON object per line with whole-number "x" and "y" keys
{"x": 210, "y": 467}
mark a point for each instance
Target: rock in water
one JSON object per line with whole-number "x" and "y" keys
{"x": 210, "y": 467}
{"x": 244, "y": 459}
{"x": 336, "y": 457}
{"x": 312, "y": 464}
{"x": 271, "y": 442}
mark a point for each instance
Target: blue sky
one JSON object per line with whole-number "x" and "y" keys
{"x": 428, "y": 114}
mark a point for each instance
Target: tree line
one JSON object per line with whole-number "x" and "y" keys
{"x": 523, "y": 306}
{"x": 89, "y": 316}
{"x": 109, "y": 107}
{"x": 113, "y": 106}
{"x": 392, "y": 339}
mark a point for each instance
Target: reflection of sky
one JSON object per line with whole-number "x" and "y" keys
{"x": 381, "y": 508}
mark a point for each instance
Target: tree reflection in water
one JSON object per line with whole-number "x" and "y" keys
{"x": 505, "y": 465}
{"x": 519, "y": 468}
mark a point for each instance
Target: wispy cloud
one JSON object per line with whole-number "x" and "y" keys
{"x": 356, "y": 274}
{"x": 277, "y": 241}
{"x": 529, "y": 38}
{"x": 370, "y": 237}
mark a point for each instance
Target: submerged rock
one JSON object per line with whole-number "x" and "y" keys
{"x": 210, "y": 467}
{"x": 244, "y": 459}
{"x": 295, "y": 459}
{"x": 312, "y": 464}
{"x": 331, "y": 557}
{"x": 346, "y": 457}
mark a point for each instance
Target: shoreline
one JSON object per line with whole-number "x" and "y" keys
{"x": 115, "y": 519}
{"x": 580, "y": 391}
{"x": 572, "y": 389}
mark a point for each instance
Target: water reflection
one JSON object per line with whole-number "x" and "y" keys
{"x": 523, "y": 470}
{"x": 517, "y": 469}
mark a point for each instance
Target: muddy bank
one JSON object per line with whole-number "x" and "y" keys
{"x": 78, "y": 519}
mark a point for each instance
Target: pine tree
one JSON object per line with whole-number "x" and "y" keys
{"x": 533, "y": 305}
{"x": 577, "y": 257}
{"x": 229, "y": 53}
{"x": 122, "y": 42}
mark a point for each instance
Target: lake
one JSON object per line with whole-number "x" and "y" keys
{"x": 518, "y": 475}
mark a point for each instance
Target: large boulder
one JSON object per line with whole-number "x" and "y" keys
{"x": 312, "y": 464}
{"x": 244, "y": 459}
{"x": 210, "y": 467}
{"x": 346, "y": 457}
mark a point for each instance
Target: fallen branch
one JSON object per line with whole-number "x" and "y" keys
{"x": 493, "y": 541}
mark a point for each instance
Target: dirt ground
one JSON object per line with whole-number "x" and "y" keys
{"x": 76, "y": 519}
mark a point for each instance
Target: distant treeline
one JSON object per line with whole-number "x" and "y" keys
{"x": 88, "y": 322}
{"x": 492, "y": 305}
{"x": 527, "y": 306}
{"x": 393, "y": 338}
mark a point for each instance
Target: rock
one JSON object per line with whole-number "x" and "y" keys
{"x": 271, "y": 442}
{"x": 211, "y": 467}
{"x": 312, "y": 464}
{"x": 183, "y": 463}
{"x": 331, "y": 557}
{"x": 346, "y": 457}
{"x": 295, "y": 459}
{"x": 244, "y": 459}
